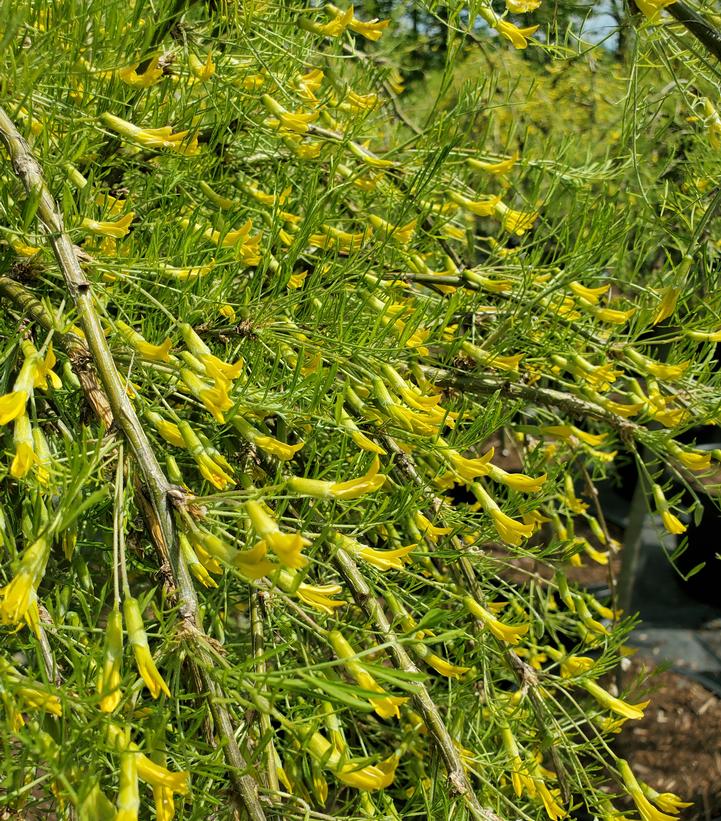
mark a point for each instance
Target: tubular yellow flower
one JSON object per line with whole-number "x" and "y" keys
{"x": 386, "y": 706}
{"x": 203, "y": 71}
{"x": 25, "y": 456}
{"x": 153, "y": 74}
{"x": 501, "y": 166}
{"x": 511, "y": 531}
{"x": 646, "y": 809}
{"x": 164, "y": 804}
{"x": 44, "y": 368}
{"x": 295, "y": 121}
{"x": 286, "y": 546}
{"x": 215, "y": 397}
{"x": 352, "y": 489}
{"x": 616, "y": 705}
{"x": 669, "y": 298}
{"x": 666, "y": 801}
{"x": 338, "y": 25}
{"x": 157, "y": 353}
{"x": 281, "y": 450}
{"x": 154, "y": 774}
{"x": 576, "y": 666}
{"x": 117, "y": 229}
{"x": 152, "y": 137}
{"x": 517, "y": 481}
{"x": 516, "y": 222}
{"x": 511, "y": 634}
{"x": 168, "y": 430}
{"x": 672, "y": 523}
{"x": 12, "y": 405}
{"x": 252, "y": 563}
{"x": 128, "y": 793}
{"x": 368, "y": 157}
{"x": 520, "y": 779}
{"x": 482, "y": 208}
{"x": 139, "y": 642}
{"x": 357, "y": 435}
{"x": 17, "y": 597}
{"x": 402, "y": 233}
{"x": 517, "y": 36}
{"x": 108, "y": 681}
{"x": 383, "y": 560}
{"x": 522, "y": 6}
{"x": 219, "y": 475}
{"x": 371, "y": 30}
{"x": 318, "y": 596}
{"x": 695, "y": 460}
{"x": 196, "y": 567}
{"x": 651, "y": 8}
{"x": 427, "y": 528}
{"x": 590, "y": 294}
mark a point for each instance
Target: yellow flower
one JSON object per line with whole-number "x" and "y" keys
{"x": 427, "y": 528}
{"x": 517, "y": 36}
{"x": 12, "y": 405}
{"x": 401, "y": 233}
{"x": 128, "y": 794}
{"x": 669, "y": 298}
{"x": 219, "y": 475}
{"x": 647, "y": 810}
{"x": 517, "y": 481}
{"x": 385, "y": 706}
{"x": 44, "y": 367}
{"x": 352, "y": 489}
{"x": 371, "y": 30}
{"x": 281, "y": 450}
{"x": 196, "y": 567}
{"x": 666, "y": 801}
{"x": 168, "y": 430}
{"x": 511, "y": 634}
{"x": 516, "y": 222}
{"x": 501, "y": 166}
{"x": 672, "y": 524}
{"x": 590, "y": 294}
{"x": 483, "y": 208}
{"x": 338, "y": 25}
{"x": 117, "y": 229}
{"x": 154, "y": 774}
{"x": 357, "y": 435}
{"x": 18, "y": 597}
{"x": 152, "y": 74}
{"x": 252, "y": 563}
{"x": 215, "y": 397}
{"x": 319, "y": 596}
{"x": 616, "y": 705}
{"x": 164, "y": 804}
{"x": 520, "y": 778}
{"x": 286, "y": 546}
{"x": 522, "y": 6}
{"x": 510, "y": 531}
{"x": 295, "y": 121}
{"x": 381, "y": 559}
{"x": 153, "y": 137}
{"x": 695, "y": 460}
{"x": 156, "y": 353}
{"x": 25, "y": 456}
{"x": 139, "y": 642}
{"x": 651, "y": 8}
{"x": 576, "y": 666}
{"x": 203, "y": 71}
{"x": 369, "y": 157}
{"x": 108, "y": 681}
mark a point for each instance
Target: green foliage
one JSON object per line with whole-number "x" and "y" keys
{"x": 381, "y": 343}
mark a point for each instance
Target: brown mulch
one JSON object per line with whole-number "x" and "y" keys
{"x": 676, "y": 747}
